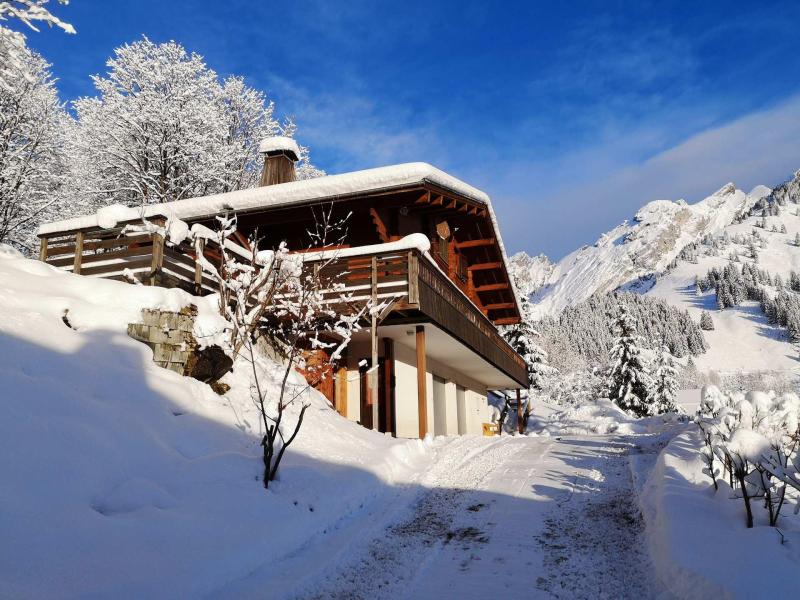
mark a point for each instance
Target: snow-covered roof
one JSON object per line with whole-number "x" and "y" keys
{"x": 278, "y": 143}
{"x": 292, "y": 193}
{"x": 328, "y": 187}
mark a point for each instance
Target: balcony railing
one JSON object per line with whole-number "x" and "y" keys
{"x": 406, "y": 279}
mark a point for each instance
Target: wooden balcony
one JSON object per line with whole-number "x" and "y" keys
{"x": 410, "y": 283}
{"x": 419, "y": 291}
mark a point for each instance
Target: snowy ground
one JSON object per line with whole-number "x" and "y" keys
{"x": 123, "y": 479}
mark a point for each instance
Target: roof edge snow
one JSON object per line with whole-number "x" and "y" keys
{"x": 304, "y": 192}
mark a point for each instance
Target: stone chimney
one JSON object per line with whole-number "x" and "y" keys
{"x": 280, "y": 154}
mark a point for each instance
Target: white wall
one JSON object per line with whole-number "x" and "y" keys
{"x": 465, "y": 415}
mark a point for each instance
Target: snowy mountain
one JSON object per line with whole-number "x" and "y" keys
{"x": 531, "y": 272}
{"x": 669, "y": 245}
{"x": 635, "y": 250}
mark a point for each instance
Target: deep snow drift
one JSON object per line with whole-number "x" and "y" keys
{"x": 119, "y": 475}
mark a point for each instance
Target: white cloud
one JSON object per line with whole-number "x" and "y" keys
{"x": 601, "y": 190}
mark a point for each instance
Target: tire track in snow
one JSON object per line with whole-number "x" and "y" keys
{"x": 593, "y": 541}
{"x": 386, "y": 564}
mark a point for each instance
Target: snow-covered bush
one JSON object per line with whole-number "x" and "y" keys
{"x": 751, "y": 440}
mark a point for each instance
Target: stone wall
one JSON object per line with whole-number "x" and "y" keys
{"x": 169, "y": 335}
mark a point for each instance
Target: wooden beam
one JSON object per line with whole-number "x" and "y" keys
{"x": 491, "y": 287}
{"x": 422, "y": 384}
{"x": 482, "y": 213}
{"x": 507, "y": 321}
{"x": 475, "y": 243}
{"x": 487, "y": 266}
{"x": 438, "y": 201}
{"x": 76, "y": 263}
{"x": 499, "y": 306}
{"x": 453, "y": 204}
{"x": 473, "y": 210}
{"x": 380, "y": 226}
{"x": 424, "y": 199}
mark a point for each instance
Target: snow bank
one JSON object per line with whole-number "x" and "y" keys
{"x": 121, "y": 476}
{"x": 600, "y": 417}
{"x": 698, "y": 540}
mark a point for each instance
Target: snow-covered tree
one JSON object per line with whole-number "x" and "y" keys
{"x": 163, "y": 127}
{"x": 275, "y": 297}
{"x": 629, "y": 381}
{"x": 32, "y": 168}
{"x": 665, "y": 385}
{"x": 13, "y": 52}
{"x": 706, "y": 323}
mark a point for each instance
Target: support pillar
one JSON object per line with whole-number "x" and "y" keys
{"x": 519, "y": 411}
{"x": 422, "y": 385}
{"x": 372, "y": 375}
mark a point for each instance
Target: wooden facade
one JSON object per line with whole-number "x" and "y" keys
{"x": 461, "y": 285}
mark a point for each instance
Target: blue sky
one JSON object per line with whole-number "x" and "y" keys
{"x": 570, "y": 115}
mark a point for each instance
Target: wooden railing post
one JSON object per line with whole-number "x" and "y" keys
{"x": 43, "y": 249}
{"x": 198, "y": 267}
{"x": 158, "y": 258}
{"x": 413, "y": 278}
{"x": 76, "y": 263}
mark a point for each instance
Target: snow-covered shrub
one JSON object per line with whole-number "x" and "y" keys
{"x": 752, "y": 440}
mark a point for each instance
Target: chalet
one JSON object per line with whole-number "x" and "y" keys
{"x": 437, "y": 345}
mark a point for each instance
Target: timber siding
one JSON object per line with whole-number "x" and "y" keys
{"x": 444, "y": 304}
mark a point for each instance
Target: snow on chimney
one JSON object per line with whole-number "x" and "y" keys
{"x": 280, "y": 154}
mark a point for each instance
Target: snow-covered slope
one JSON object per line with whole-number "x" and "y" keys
{"x": 633, "y": 250}
{"x": 742, "y": 339}
{"x": 124, "y": 479}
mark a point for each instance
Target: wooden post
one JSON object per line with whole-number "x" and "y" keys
{"x": 198, "y": 268}
{"x": 76, "y": 263}
{"x": 43, "y": 249}
{"x": 341, "y": 391}
{"x": 388, "y": 385}
{"x": 519, "y": 411}
{"x": 158, "y": 258}
{"x": 422, "y": 384}
{"x": 372, "y": 376}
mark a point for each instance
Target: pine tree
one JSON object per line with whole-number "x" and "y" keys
{"x": 665, "y": 387}
{"x": 706, "y": 323}
{"x": 522, "y": 338}
{"x": 628, "y": 379}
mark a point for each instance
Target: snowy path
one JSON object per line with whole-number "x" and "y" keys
{"x": 510, "y": 517}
